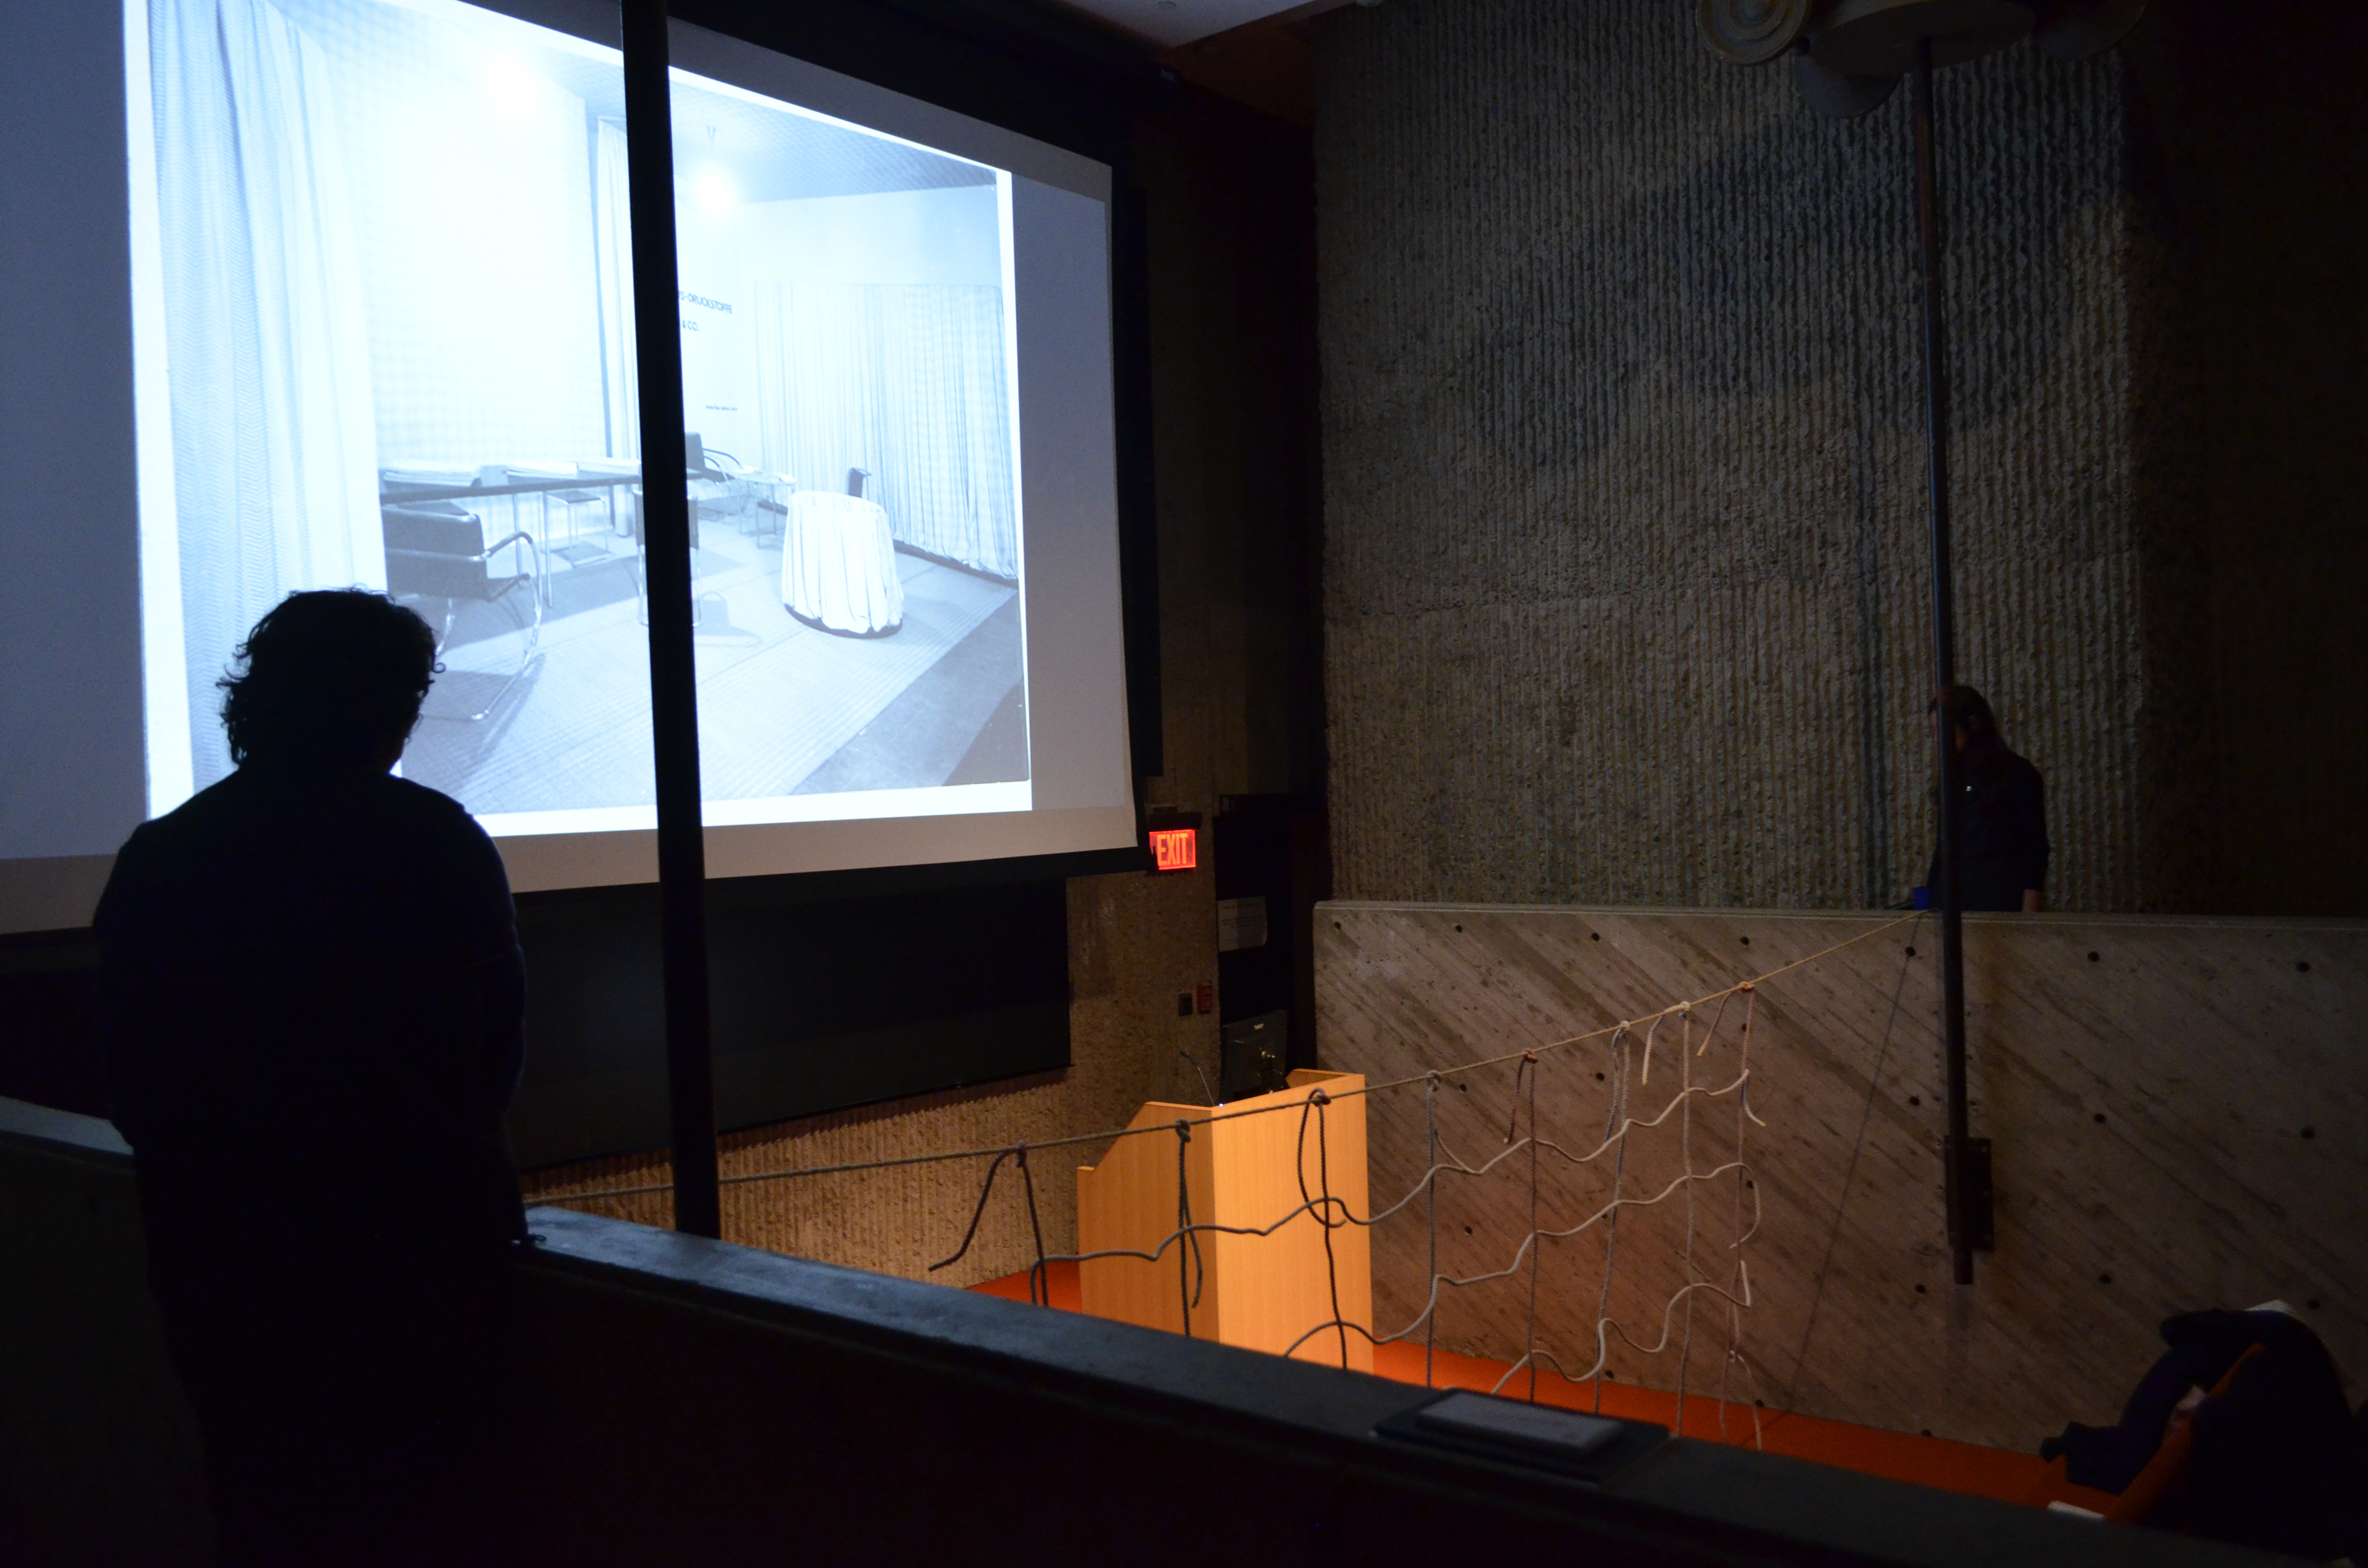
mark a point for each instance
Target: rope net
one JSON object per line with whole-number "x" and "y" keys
{"x": 1626, "y": 1155}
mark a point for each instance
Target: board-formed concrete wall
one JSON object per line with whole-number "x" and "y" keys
{"x": 2177, "y": 1107}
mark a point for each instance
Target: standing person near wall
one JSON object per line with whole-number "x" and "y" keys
{"x": 314, "y": 1004}
{"x": 2002, "y": 827}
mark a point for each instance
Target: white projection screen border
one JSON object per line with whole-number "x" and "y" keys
{"x": 1045, "y": 283}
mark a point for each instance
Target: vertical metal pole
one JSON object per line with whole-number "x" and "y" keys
{"x": 1948, "y": 894}
{"x": 674, "y": 677}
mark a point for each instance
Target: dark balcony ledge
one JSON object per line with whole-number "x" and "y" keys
{"x": 63, "y": 1133}
{"x": 683, "y": 1400}
{"x": 882, "y": 1313}
{"x": 1685, "y": 1501}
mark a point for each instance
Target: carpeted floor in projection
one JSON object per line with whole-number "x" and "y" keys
{"x": 1899, "y": 1456}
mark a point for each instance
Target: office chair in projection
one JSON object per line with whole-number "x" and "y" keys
{"x": 572, "y": 503}
{"x": 435, "y": 549}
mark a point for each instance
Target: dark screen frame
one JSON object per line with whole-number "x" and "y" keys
{"x": 815, "y": 1004}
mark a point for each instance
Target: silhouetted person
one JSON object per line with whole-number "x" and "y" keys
{"x": 2002, "y": 846}
{"x": 315, "y": 998}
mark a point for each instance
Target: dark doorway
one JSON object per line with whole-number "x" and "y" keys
{"x": 1273, "y": 855}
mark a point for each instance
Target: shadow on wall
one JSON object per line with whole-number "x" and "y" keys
{"x": 2159, "y": 1093}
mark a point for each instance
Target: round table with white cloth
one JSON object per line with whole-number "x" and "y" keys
{"x": 838, "y": 565}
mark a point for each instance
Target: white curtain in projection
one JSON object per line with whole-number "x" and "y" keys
{"x": 477, "y": 242}
{"x": 613, "y": 225}
{"x": 908, "y": 381}
{"x": 274, "y": 450}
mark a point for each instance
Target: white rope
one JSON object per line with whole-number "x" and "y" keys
{"x": 1332, "y": 1212}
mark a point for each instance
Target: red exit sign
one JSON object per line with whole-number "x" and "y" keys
{"x": 1174, "y": 848}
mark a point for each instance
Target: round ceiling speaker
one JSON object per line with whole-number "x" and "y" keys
{"x": 1834, "y": 95}
{"x": 1748, "y": 32}
{"x": 1878, "y": 38}
{"x": 2075, "y": 29}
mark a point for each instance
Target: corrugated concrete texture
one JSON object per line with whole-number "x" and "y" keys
{"x": 1626, "y": 592}
{"x": 2174, "y": 1104}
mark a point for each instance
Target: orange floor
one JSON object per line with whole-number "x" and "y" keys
{"x": 1928, "y": 1462}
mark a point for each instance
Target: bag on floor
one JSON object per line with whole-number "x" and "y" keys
{"x": 2278, "y": 1459}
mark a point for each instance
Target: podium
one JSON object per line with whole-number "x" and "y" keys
{"x": 1260, "y": 1292}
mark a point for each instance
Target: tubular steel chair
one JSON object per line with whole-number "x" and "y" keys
{"x": 570, "y": 502}
{"x": 435, "y": 549}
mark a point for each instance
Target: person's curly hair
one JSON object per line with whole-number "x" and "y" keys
{"x": 336, "y": 675}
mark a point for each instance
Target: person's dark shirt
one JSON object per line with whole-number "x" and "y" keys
{"x": 314, "y": 1001}
{"x": 2003, "y": 839}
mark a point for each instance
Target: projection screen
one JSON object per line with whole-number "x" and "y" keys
{"x": 316, "y": 293}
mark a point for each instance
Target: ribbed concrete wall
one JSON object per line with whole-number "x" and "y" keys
{"x": 1626, "y": 592}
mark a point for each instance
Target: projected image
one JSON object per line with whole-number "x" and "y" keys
{"x": 392, "y": 254}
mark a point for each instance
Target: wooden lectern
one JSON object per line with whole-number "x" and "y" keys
{"x": 1262, "y": 1293}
